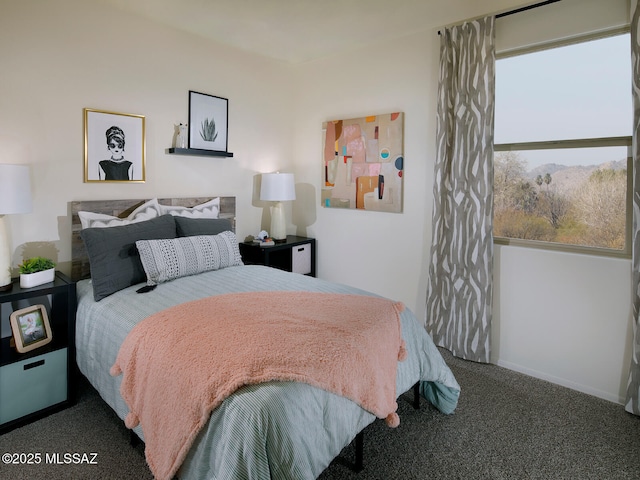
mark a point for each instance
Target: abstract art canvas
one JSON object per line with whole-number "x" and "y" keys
{"x": 363, "y": 163}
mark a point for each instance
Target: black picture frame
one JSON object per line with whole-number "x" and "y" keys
{"x": 208, "y": 122}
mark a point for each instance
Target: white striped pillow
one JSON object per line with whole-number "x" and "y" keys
{"x": 171, "y": 258}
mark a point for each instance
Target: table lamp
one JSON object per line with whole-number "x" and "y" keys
{"x": 278, "y": 188}
{"x": 15, "y": 197}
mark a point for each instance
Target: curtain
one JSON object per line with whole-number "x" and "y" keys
{"x": 459, "y": 292}
{"x": 633, "y": 387}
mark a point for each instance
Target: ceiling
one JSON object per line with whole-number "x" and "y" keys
{"x": 297, "y": 31}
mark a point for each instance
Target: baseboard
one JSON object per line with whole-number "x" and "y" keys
{"x": 562, "y": 382}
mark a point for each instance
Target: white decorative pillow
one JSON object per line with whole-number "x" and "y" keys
{"x": 146, "y": 211}
{"x": 171, "y": 258}
{"x": 209, "y": 209}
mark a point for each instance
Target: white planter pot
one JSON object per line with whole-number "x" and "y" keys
{"x": 28, "y": 280}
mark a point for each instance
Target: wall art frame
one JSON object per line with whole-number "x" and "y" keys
{"x": 30, "y": 327}
{"x": 208, "y": 122}
{"x": 363, "y": 163}
{"x": 114, "y": 146}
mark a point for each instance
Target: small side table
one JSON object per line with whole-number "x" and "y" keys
{"x": 296, "y": 254}
{"x": 39, "y": 382}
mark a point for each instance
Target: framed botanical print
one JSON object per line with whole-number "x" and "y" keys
{"x": 208, "y": 122}
{"x": 114, "y": 146}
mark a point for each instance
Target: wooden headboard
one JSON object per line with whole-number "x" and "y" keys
{"x": 122, "y": 208}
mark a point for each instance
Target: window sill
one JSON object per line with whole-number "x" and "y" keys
{"x": 562, "y": 247}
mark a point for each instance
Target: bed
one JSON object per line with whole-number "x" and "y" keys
{"x": 274, "y": 429}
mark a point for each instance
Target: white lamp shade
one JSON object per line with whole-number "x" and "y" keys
{"x": 277, "y": 187}
{"x": 15, "y": 189}
{"x": 15, "y": 197}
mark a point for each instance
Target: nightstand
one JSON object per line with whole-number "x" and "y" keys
{"x": 38, "y": 382}
{"x": 296, "y": 254}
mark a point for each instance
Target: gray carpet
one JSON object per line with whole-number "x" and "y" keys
{"x": 507, "y": 426}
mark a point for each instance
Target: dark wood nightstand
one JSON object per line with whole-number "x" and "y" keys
{"x": 297, "y": 255}
{"x": 41, "y": 381}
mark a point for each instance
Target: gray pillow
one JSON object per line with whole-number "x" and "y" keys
{"x": 113, "y": 257}
{"x": 188, "y": 227}
{"x": 172, "y": 258}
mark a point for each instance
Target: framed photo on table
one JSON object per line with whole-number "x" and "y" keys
{"x": 114, "y": 146}
{"x": 208, "y": 122}
{"x": 30, "y": 328}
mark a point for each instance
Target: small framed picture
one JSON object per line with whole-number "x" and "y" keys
{"x": 30, "y": 328}
{"x": 208, "y": 122}
{"x": 114, "y": 147}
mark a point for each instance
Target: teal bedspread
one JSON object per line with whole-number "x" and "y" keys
{"x": 277, "y": 430}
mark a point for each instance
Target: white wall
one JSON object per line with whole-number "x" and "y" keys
{"x": 60, "y": 57}
{"x": 565, "y": 318}
{"x": 561, "y": 317}
{"x": 376, "y": 251}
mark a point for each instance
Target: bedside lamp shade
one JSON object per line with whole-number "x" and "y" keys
{"x": 15, "y": 197}
{"x": 278, "y": 187}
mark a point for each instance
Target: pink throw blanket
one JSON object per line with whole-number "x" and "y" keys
{"x": 181, "y": 363}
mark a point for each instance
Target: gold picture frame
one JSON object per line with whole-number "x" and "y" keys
{"x": 30, "y": 328}
{"x": 114, "y": 147}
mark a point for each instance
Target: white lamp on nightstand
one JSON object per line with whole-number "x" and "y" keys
{"x": 15, "y": 197}
{"x": 278, "y": 187}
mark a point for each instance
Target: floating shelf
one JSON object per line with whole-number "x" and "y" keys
{"x": 198, "y": 151}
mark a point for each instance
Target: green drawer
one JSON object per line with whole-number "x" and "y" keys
{"x": 31, "y": 385}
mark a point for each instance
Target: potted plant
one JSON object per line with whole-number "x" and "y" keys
{"x": 36, "y": 271}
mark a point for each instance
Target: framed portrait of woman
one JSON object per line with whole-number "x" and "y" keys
{"x": 30, "y": 328}
{"x": 114, "y": 146}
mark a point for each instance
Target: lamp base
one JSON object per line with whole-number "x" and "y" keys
{"x": 6, "y": 287}
{"x": 5, "y": 257}
{"x": 278, "y": 223}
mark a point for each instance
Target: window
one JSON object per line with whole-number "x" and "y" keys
{"x": 563, "y": 123}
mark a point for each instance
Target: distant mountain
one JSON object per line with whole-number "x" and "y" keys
{"x": 615, "y": 165}
{"x": 544, "y": 169}
{"x": 569, "y": 178}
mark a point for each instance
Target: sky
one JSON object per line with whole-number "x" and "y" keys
{"x": 572, "y": 92}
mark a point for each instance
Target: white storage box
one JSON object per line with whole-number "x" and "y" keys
{"x": 301, "y": 259}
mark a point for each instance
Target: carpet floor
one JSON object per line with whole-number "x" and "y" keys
{"x": 507, "y": 426}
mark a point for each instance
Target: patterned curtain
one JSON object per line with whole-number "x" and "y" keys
{"x": 459, "y": 294}
{"x": 633, "y": 387}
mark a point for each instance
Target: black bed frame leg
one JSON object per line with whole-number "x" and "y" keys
{"x": 359, "y": 464}
{"x": 134, "y": 440}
